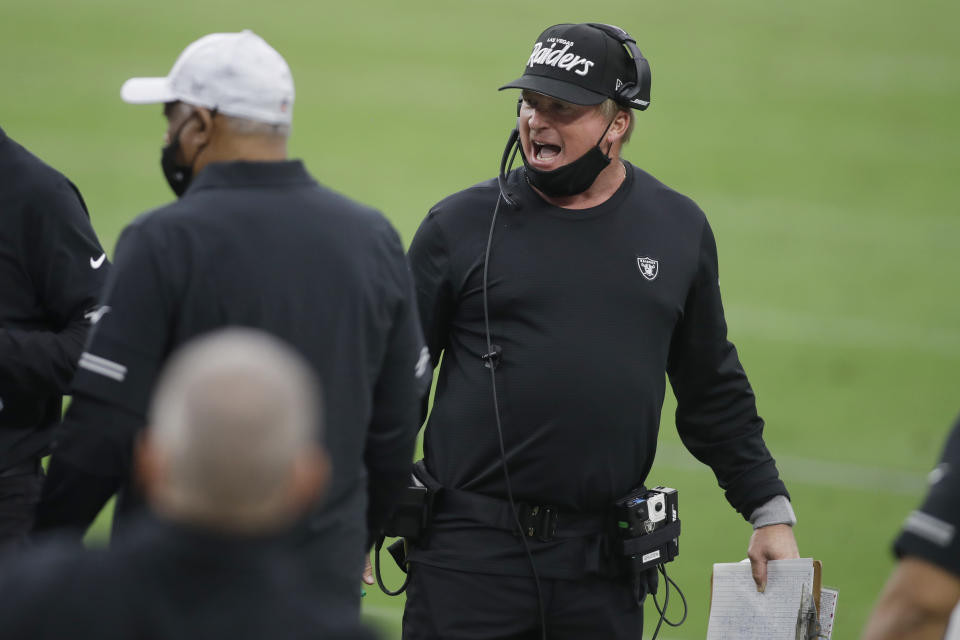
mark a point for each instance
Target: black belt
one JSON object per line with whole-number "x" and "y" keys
{"x": 543, "y": 522}
{"x": 22, "y": 469}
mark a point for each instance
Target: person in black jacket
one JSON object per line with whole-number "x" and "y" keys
{"x": 253, "y": 241}
{"x": 924, "y": 588}
{"x": 52, "y": 269}
{"x": 230, "y": 459}
{"x": 595, "y": 281}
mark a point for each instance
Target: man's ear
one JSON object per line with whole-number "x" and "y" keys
{"x": 205, "y": 116}
{"x": 200, "y": 131}
{"x": 620, "y": 124}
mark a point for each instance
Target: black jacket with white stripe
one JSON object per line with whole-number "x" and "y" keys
{"x": 931, "y": 532}
{"x": 51, "y": 271}
{"x": 263, "y": 245}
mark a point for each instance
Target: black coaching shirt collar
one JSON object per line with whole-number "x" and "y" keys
{"x": 251, "y": 174}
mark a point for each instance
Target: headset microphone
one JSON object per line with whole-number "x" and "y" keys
{"x": 512, "y": 145}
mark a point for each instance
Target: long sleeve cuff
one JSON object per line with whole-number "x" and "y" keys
{"x": 776, "y": 510}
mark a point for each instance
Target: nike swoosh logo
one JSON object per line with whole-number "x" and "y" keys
{"x": 96, "y": 264}
{"x": 95, "y": 315}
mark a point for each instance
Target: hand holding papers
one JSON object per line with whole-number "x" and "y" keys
{"x": 739, "y": 612}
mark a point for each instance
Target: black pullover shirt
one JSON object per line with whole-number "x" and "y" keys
{"x": 590, "y": 308}
{"x": 257, "y": 245}
{"x": 52, "y": 269}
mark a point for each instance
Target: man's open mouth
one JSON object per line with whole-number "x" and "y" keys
{"x": 543, "y": 151}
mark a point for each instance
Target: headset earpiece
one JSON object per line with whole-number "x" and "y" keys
{"x": 636, "y": 94}
{"x": 640, "y": 89}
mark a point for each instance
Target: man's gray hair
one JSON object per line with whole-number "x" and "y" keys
{"x": 230, "y": 415}
{"x": 246, "y": 127}
{"x": 609, "y": 109}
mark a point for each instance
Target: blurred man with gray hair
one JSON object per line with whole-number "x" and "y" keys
{"x": 229, "y": 461}
{"x": 232, "y": 441}
{"x": 254, "y": 241}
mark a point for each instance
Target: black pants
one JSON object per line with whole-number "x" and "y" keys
{"x": 453, "y": 605}
{"x": 20, "y": 489}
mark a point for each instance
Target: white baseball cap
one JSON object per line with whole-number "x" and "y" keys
{"x": 237, "y": 74}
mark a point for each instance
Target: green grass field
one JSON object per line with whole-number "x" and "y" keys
{"x": 820, "y": 137}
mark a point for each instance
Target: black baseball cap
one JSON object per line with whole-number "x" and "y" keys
{"x": 577, "y": 63}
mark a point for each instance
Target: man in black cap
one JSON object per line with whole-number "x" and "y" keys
{"x": 558, "y": 298}
{"x": 51, "y": 271}
{"x": 253, "y": 241}
{"x": 924, "y": 588}
{"x": 230, "y": 459}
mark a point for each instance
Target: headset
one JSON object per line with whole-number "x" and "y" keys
{"x": 634, "y": 93}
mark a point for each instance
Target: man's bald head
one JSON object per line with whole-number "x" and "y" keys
{"x": 232, "y": 440}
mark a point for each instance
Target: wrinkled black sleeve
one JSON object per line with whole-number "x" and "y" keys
{"x": 716, "y": 409}
{"x": 932, "y": 532}
{"x": 59, "y": 245}
{"x": 403, "y": 381}
{"x": 116, "y": 374}
{"x": 430, "y": 264}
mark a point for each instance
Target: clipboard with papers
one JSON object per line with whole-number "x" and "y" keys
{"x": 794, "y": 605}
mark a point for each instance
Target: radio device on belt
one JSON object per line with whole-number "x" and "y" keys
{"x": 649, "y": 533}
{"x": 409, "y": 521}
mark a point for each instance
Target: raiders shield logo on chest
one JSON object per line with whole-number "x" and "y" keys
{"x": 649, "y": 267}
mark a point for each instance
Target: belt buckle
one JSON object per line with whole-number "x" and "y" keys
{"x": 538, "y": 521}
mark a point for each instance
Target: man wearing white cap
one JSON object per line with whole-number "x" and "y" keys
{"x": 252, "y": 241}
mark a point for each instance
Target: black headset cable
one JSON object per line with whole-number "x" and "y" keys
{"x": 492, "y": 357}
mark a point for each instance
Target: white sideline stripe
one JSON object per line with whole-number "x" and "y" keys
{"x": 102, "y": 366}
{"x": 815, "y": 472}
{"x": 844, "y": 331}
{"x": 930, "y": 528}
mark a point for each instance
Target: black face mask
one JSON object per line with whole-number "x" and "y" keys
{"x": 178, "y": 175}
{"x": 570, "y": 179}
